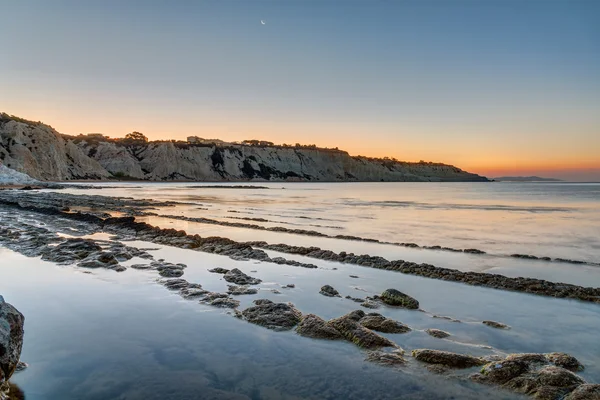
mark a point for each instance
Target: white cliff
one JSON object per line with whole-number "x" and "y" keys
{"x": 43, "y": 153}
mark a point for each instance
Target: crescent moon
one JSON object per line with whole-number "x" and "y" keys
{"x": 262, "y": 22}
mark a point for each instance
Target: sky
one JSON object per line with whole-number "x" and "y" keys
{"x": 497, "y": 87}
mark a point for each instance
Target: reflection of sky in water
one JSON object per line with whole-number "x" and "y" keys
{"x": 544, "y": 219}
{"x": 119, "y": 336}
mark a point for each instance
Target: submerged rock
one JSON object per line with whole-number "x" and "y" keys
{"x": 276, "y": 316}
{"x": 316, "y": 327}
{"x": 447, "y": 358}
{"x": 349, "y": 326}
{"x": 394, "y": 297}
{"x": 437, "y": 333}
{"x": 11, "y": 339}
{"x": 378, "y": 322}
{"x": 390, "y": 359}
{"x": 497, "y": 325}
{"x": 329, "y": 291}
{"x": 239, "y": 278}
{"x": 369, "y": 304}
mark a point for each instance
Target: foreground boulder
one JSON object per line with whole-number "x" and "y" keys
{"x": 11, "y": 341}
{"x": 447, "y": 358}
{"x": 395, "y": 297}
{"x": 276, "y": 316}
{"x": 585, "y": 392}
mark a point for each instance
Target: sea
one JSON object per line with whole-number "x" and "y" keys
{"x": 98, "y": 334}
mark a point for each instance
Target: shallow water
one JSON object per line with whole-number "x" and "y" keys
{"x": 98, "y": 334}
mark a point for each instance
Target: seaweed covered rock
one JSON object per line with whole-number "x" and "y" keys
{"x": 585, "y": 392}
{"x": 11, "y": 339}
{"x": 378, "y": 322}
{"x": 564, "y": 360}
{"x": 395, "y": 297}
{"x": 497, "y": 325}
{"x": 447, "y": 358}
{"x": 316, "y": 327}
{"x": 239, "y": 278}
{"x": 437, "y": 333}
{"x": 276, "y": 316}
{"x": 329, "y": 291}
{"x": 532, "y": 374}
{"x": 350, "y": 327}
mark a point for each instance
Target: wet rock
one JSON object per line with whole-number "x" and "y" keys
{"x": 168, "y": 270}
{"x": 174, "y": 284}
{"x": 21, "y": 366}
{"x": 239, "y": 278}
{"x": 354, "y": 276}
{"x": 239, "y": 290}
{"x": 585, "y": 392}
{"x": 529, "y": 358}
{"x": 193, "y": 292}
{"x": 316, "y": 327}
{"x": 497, "y": 325}
{"x": 394, "y": 297}
{"x": 329, "y": 291}
{"x": 564, "y": 360}
{"x": 218, "y": 270}
{"x": 500, "y": 372}
{"x": 449, "y": 359}
{"x": 355, "y": 299}
{"x": 141, "y": 266}
{"x": 378, "y": 322}
{"x": 550, "y": 383}
{"x": 11, "y": 339}
{"x": 224, "y": 302}
{"x": 290, "y": 286}
{"x": 446, "y": 318}
{"x": 437, "y": 333}
{"x": 349, "y": 326}
{"x": 389, "y": 359}
{"x": 71, "y": 251}
{"x": 369, "y": 304}
{"x": 276, "y": 316}
{"x": 474, "y": 251}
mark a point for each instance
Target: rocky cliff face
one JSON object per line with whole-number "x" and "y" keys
{"x": 42, "y": 153}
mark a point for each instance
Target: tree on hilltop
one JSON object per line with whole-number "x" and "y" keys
{"x": 136, "y": 137}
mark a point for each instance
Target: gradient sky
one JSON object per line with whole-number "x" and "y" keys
{"x": 494, "y": 87}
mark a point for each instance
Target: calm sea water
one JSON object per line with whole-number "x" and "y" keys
{"x": 108, "y": 335}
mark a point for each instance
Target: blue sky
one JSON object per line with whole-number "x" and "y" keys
{"x": 491, "y": 86}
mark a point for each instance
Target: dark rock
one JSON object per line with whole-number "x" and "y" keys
{"x": 353, "y": 276}
{"x": 437, "y": 333}
{"x": 497, "y": 325}
{"x": 168, "y": 270}
{"x": 474, "y": 251}
{"x": 11, "y": 339}
{"x": 354, "y": 332}
{"x": 239, "y": 278}
{"x": 500, "y": 372}
{"x": 449, "y": 359}
{"x": 224, "y": 302}
{"x": 394, "y": 297}
{"x": 378, "y": 322}
{"x": 316, "y": 327}
{"x": 276, "y": 316}
{"x": 219, "y": 270}
{"x": 564, "y": 360}
{"x": 329, "y": 291}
